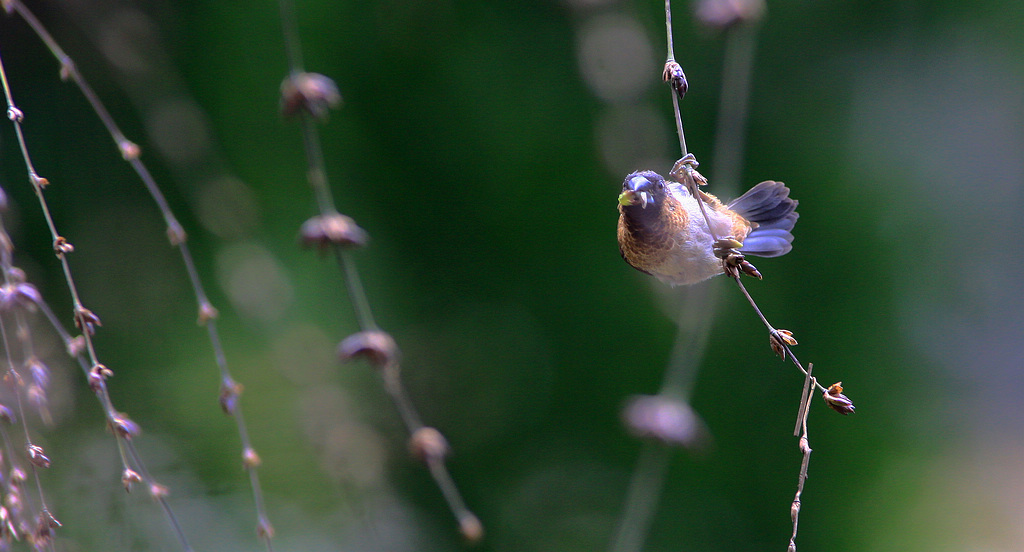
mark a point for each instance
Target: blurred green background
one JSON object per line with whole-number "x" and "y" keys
{"x": 482, "y": 145}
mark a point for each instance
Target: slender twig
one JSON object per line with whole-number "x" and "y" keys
{"x": 670, "y": 59}
{"x": 694, "y": 318}
{"x": 207, "y": 313}
{"x": 734, "y": 101}
{"x": 426, "y": 442}
{"x": 83, "y": 348}
{"x": 772, "y": 330}
{"x": 805, "y": 450}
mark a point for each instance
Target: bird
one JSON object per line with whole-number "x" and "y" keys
{"x": 663, "y": 233}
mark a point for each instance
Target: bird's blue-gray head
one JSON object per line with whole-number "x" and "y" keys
{"x": 642, "y": 189}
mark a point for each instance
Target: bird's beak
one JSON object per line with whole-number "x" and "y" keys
{"x": 630, "y": 198}
{"x": 635, "y": 191}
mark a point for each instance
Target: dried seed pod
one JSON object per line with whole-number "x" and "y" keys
{"x": 779, "y": 339}
{"x": 37, "y": 457}
{"x": 158, "y": 491}
{"x": 428, "y": 444}
{"x": 250, "y": 459}
{"x": 176, "y": 234}
{"x": 130, "y": 151}
{"x": 378, "y": 347}
{"x": 666, "y": 419}
{"x": 86, "y": 320}
{"x": 75, "y": 345}
{"x": 723, "y": 14}
{"x": 230, "y": 392}
{"x": 313, "y": 93}
{"x": 264, "y": 529}
{"x": 837, "y": 401}
{"x": 674, "y": 76}
{"x": 38, "y": 181}
{"x": 130, "y": 477}
{"x": 61, "y": 246}
{"x": 98, "y": 375}
{"x": 124, "y": 428}
{"x": 207, "y": 312}
{"x": 471, "y": 528}
{"x": 323, "y": 231}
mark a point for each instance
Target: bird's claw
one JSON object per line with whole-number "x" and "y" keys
{"x": 688, "y": 166}
{"x": 733, "y": 262}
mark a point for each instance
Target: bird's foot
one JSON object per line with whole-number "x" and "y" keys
{"x": 687, "y": 166}
{"x": 733, "y": 262}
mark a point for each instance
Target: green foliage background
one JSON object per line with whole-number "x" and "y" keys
{"x": 467, "y": 147}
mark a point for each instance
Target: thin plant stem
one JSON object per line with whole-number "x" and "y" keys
{"x": 695, "y": 312}
{"x": 85, "y": 319}
{"x": 771, "y": 329}
{"x": 316, "y": 174}
{"x": 642, "y": 497}
{"x": 675, "y": 98}
{"x": 177, "y": 236}
{"x": 805, "y": 450}
{"x": 730, "y": 131}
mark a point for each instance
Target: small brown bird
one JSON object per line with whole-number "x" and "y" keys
{"x": 663, "y": 233}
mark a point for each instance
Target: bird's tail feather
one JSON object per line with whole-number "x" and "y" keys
{"x": 769, "y": 205}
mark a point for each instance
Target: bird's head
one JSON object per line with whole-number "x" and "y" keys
{"x": 643, "y": 189}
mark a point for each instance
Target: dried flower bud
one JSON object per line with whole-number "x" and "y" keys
{"x": 666, "y": 419}
{"x": 428, "y": 444}
{"x": 250, "y": 459}
{"x": 22, "y": 295}
{"x": 230, "y": 391}
{"x": 332, "y": 229}
{"x": 124, "y": 427}
{"x": 130, "y": 151}
{"x": 264, "y": 529}
{"x": 86, "y": 320}
{"x": 42, "y": 536}
{"x": 61, "y": 246}
{"x": 207, "y": 312}
{"x": 37, "y": 457}
{"x": 36, "y": 396}
{"x": 779, "y": 339}
{"x": 837, "y": 401}
{"x": 76, "y": 345}
{"x": 6, "y": 415}
{"x": 176, "y": 234}
{"x": 13, "y": 379}
{"x": 313, "y": 93}
{"x": 18, "y": 476}
{"x": 674, "y": 76}
{"x": 158, "y": 491}
{"x": 39, "y": 372}
{"x": 38, "y": 181}
{"x": 15, "y": 115}
{"x": 471, "y": 528}
{"x": 377, "y": 346}
{"x": 722, "y": 14}
{"x": 7, "y": 529}
{"x": 130, "y": 477}
{"x": 98, "y": 375}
